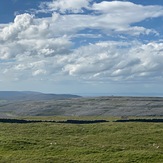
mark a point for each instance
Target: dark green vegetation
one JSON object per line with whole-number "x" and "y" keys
{"x": 110, "y": 142}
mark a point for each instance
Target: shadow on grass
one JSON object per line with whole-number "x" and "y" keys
{"x": 44, "y": 121}
{"x": 140, "y": 120}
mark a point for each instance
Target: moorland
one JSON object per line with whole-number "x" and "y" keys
{"x": 39, "y": 104}
{"x": 76, "y": 129}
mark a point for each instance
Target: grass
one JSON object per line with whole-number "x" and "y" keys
{"x": 110, "y": 142}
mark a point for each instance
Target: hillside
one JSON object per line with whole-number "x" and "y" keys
{"x": 97, "y": 106}
{"x": 108, "y": 142}
{"x": 32, "y": 96}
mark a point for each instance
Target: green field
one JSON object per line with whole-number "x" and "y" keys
{"x": 110, "y": 142}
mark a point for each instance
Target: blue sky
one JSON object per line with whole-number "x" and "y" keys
{"x": 82, "y": 47}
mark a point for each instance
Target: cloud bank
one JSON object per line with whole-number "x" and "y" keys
{"x": 85, "y": 40}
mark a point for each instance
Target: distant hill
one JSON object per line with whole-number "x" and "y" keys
{"x": 32, "y": 96}
{"x": 67, "y": 105}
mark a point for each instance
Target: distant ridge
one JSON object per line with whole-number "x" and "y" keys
{"x": 32, "y": 96}
{"x": 35, "y": 104}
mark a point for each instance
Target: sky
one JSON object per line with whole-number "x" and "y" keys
{"x": 84, "y": 47}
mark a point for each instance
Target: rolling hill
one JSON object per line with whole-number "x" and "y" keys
{"x": 32, "y": 96}
{"x": 38, "y": 104}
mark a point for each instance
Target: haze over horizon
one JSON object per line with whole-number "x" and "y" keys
{"x": 82, "y": 47}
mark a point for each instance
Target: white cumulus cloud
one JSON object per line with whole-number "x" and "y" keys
{"x": 48, "y": 47}
{"x": 73, "y": 6}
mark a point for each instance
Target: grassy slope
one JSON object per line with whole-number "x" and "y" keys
{"x": 109, "y": 142}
